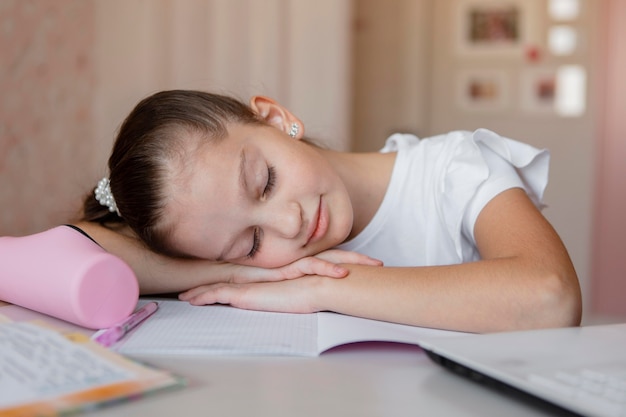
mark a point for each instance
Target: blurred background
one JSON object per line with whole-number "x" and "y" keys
{"x": 547, "y": 72}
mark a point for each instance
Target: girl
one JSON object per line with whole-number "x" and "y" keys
{"x": 234, "y": 207}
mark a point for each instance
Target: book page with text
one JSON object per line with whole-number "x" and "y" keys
{"x": 47, "y": 372}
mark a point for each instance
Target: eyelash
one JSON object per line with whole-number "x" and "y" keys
{"x": 256, "y": 243}
{"x": 271, "y": 180}
{"x": 256, "y": 238}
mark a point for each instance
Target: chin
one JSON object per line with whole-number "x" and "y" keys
{"x": 340, "y": 235}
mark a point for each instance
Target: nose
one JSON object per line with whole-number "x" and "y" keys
{"x": 282, "y": 218}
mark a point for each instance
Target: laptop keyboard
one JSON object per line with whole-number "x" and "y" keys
{"x": 602, "y": 390}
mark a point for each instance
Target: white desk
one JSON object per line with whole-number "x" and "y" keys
{"x": 361, "y": 380}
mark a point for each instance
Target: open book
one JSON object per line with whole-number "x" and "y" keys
{"x": 46, "y": 371}
{"x": 178, "y": 328}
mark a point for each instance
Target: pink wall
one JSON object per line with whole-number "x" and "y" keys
{"x": 46, "y": 80}
{"x": 609, "y": 249}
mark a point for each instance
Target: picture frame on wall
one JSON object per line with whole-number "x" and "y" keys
{"x": 494, "y": 26}
{"x": 483, "y": 90}
{"x": 538, "y": 90}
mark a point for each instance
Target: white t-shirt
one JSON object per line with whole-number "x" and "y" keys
{"x": 438, "y": 187}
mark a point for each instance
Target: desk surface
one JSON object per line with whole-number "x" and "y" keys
{"x": 366, "y": 379}
{"x": 361, "y": 380}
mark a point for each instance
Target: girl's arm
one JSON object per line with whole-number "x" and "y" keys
{"x": 524, "y": 280}
{"x": 159, "y": 274}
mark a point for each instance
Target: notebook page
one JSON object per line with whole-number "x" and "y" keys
{"x": 338, "y": 329}
{"x": 180, "y": 328}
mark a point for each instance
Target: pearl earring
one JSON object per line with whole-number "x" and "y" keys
{"x": 293, "y": 132}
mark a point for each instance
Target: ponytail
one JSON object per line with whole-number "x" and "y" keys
{"x": 95, "y": 212}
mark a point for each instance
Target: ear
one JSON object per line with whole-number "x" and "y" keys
{"x": 276, "y": 115}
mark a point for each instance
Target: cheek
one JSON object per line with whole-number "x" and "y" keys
{"x": 276, "y": 258}
{"x": 275, "y": 254}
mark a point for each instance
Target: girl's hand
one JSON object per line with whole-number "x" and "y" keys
{"x": 345, "y": 257}
{"x": 288, "y": 296}
{"x": 293, "y": 289}
{"x": 323, "y": 264}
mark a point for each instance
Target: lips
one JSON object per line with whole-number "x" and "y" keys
{"x": 319, "y": 224}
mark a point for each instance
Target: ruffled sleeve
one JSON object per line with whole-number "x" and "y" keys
{"x": 481, "y": 165}
{"x": 532, "y": 164}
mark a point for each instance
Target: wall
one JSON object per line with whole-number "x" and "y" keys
{"x": 296, "y": 52}
{"x": 609, "y": 237}
{"x": 391, "y": 71}
{"x": 46, "y": 131}
{"x": 72, "y": 69}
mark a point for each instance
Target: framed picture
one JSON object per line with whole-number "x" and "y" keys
{"x": 482, "y": 90}
{"x": 538, "y": 90}
{"x": 494, "y": 26}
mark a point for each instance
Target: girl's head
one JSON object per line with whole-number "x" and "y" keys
{"x": 202, "y": 175}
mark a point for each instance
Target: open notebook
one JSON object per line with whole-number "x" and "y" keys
{"x": 578, "y": 369}
{"x": 179, "y": 328}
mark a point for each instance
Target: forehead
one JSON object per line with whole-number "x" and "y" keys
{"x": 206, "y": 198}
{"x": 200, "y": 155}
{"x": 201, "y": 189}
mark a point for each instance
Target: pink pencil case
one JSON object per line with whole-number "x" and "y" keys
{"x": 62, "y": 272}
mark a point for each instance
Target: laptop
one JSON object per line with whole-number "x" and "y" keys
{"x": 578, "y": 370}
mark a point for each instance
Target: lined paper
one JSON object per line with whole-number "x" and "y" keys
{"x": 178, "y": 328}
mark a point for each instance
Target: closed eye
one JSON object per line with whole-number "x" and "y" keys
{"x": 256, "y": 244}
{"x": 269, "y": 186}
{"x": 271, "y": 180}
{"x": 267, "y": 189}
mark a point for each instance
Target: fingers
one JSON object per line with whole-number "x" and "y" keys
{"x": 289, "y": 296}
{"x": 190, "y": 294}
{"x": 323, "y": 264}
{"x": 245, "y": 274}
{"x": 305, "y": 266}
{"x": 208, "y": 294}
{"x": 346, "y": 257}
{"x": 313, "y": 266}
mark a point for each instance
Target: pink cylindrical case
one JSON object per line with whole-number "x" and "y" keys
{"x": 63, "y": 273}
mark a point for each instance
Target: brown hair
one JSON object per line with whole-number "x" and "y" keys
{"x": 150, "y": 137}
